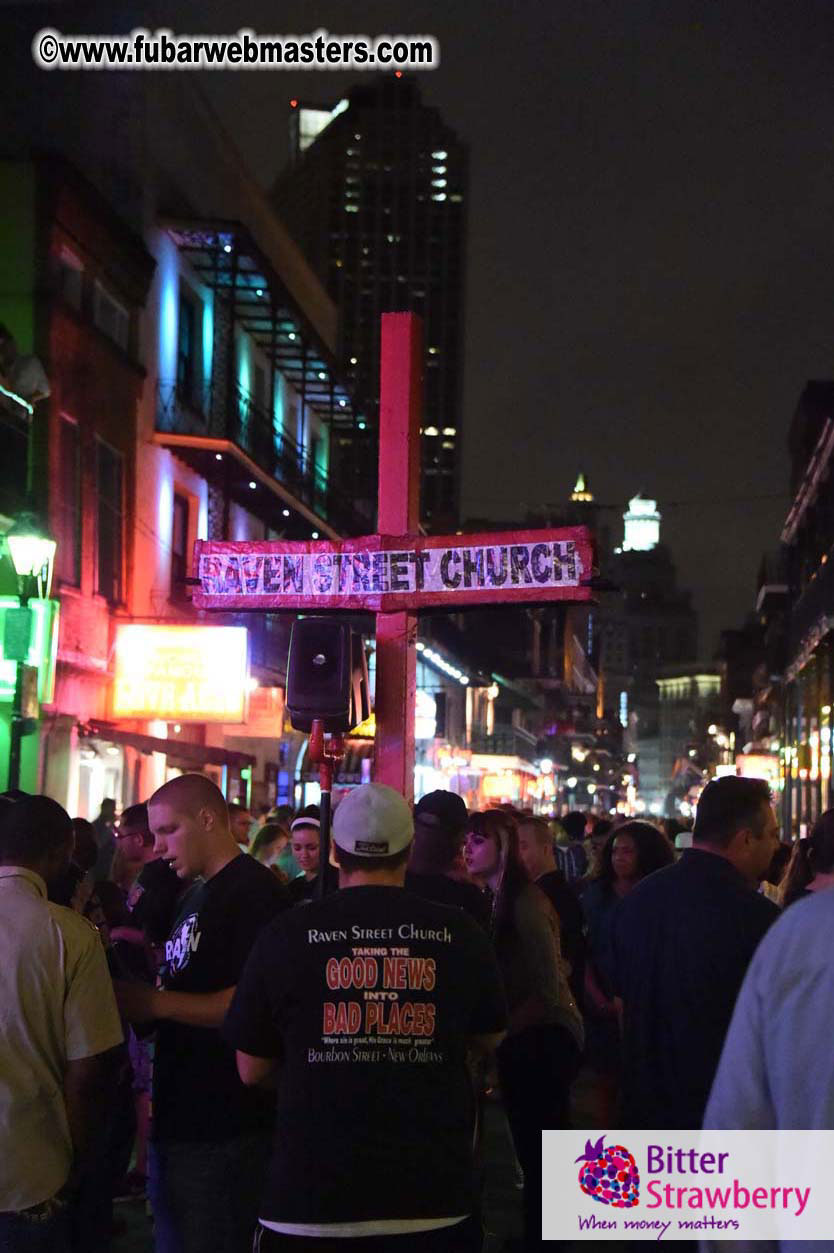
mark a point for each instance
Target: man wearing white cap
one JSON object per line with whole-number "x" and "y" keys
{"x": 360, "y": 1008}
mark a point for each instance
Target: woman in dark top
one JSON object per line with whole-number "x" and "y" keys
{"x": 811, "y": 868}
{"x": 631, "y": 852}
{"x": 539, "y": 1058}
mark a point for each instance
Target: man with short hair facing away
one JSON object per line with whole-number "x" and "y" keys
{"x": 58, "y": 1024}
{"x": 209, "y": 1136}
{"x": 439, "y": 826}
{"x": 361, "y": 1008}
{"x": 535, "y": 848}
{"x": 683, "y": 939}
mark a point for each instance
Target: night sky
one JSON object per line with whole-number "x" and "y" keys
{"x": 651, "y": 245}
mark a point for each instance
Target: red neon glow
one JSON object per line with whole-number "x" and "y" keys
{"x": 293, "y": 104}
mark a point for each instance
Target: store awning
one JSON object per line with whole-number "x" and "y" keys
{"x": 181, "y": 750}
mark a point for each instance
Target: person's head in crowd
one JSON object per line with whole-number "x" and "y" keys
{"x": 85, "y": 851}
{"x": 811, "y": 859}
{"x": 281, "y": 813}
{"x": 108, "y": 809}
{"x": 240, "y": 821}
{"x": 735, "y": 820}
{"x": 600, "y": 832}
{"x": 779, "y": 864}
{"x": 439, "y": 824}
{"x": 262, "y": 814}
{"x": 574, "y": 824}
{"x": 535, "y": 847}
{"x": 270, "y": 842}
{"x": 134, "y": 838}
{"x": 36, "y": 833}
{"x": 631, "y": 852}
{"x": 492, "y": 858}
{"x": 305, "y": 836}
{"x": 71, "y": 889}
{"x": 189, "y": 819}
{"x": 373, "y": 828}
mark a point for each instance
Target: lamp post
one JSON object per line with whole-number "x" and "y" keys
{"x": 32, "y": 550}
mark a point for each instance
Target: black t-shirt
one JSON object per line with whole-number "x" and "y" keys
{"x": 682, "y": 941}
{"x": 446, "y": 891}
{"x": 153, "y": 900}
{"x": 367, "y": 998}
{"x": 197, "y": 1094}
{"x": 301, "y": 889}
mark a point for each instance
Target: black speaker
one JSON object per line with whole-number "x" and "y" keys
{"x": 327, "y": 676}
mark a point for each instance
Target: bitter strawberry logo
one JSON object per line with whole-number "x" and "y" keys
{"x": 609, "y": 1175}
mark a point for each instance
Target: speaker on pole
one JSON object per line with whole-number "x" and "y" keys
{"x": 327, "y": 675}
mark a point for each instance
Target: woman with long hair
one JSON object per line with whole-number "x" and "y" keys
{"x": 540, "y": 1055}
{"x": 631, "y": 852}
{"x": 270, "y": 841}
{"x": 811, "y": 867}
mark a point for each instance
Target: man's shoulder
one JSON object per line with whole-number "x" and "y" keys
{"x": 78, "y": 931}
{"x": 247, "y": 875}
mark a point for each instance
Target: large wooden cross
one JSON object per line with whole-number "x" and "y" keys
{"x": 397, "y": 571}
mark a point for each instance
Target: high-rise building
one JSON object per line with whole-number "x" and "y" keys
{"x": 375, "y": 194}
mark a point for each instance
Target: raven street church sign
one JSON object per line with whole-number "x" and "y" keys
{"x": 397, "y": 572}
{"x": 387, "y": 573}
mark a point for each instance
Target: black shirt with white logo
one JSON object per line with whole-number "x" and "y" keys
{"x": 367, "y": 998}
{"x": 197, "y": 1094}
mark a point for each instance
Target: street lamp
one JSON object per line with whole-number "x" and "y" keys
{"x": 32, "y": 550}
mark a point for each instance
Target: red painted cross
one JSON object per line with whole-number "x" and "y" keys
{"x": 397, "y": 571}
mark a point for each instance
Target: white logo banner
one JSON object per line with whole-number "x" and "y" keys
{"x": 687, "y": 1185}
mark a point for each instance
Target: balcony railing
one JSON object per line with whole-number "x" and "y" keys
{"x": 506, "y": 741}
{"x": 253, "y": 429}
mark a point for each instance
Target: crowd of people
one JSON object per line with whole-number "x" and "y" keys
{"x": 288, "y": 1055}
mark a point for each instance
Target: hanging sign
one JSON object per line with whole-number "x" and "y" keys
{"x": 388, "y": 573}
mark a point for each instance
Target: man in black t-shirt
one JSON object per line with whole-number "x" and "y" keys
{"x": 362, "y": 1006}
{"x": 210, "y": 1136}
{"x": 439, "y": 826}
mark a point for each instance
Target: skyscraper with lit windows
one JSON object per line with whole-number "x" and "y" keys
{"x": 375, "y": 194}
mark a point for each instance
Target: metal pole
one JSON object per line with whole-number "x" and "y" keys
{"x": 15, "y": 736}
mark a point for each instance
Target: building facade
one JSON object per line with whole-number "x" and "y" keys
{"x": 192, "y": 359}
{"x": 804, "y": 619}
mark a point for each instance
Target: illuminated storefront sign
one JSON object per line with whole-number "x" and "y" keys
{"x": 760, "y": 766}
{"x": 43, "y": 646}
{"x": 181, "y": 673}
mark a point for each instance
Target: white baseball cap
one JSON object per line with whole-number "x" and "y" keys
{"x": 373, "y": 821}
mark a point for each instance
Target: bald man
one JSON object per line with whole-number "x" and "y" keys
{"x": 210, "y": 1135}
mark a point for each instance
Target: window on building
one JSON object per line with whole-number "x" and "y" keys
{"x": 110, "y": 522}
{"x": 70, "y": 277}
{"x": 68, "y": 510}
{"x": 110, "y": 316}
{"x": 186, "y": 349}
{"x": 179, "y": 547}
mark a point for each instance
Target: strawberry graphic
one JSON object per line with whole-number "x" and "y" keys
{"x": 609, "y": 1175}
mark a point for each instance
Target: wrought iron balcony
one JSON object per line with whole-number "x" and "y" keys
{"x": 507, "y": 741}
{"x": 218, "y": 414}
